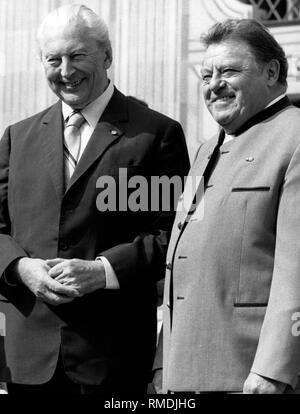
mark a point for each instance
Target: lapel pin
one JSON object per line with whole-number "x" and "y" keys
{"x": 114, "y": 132}
{"x": 249, "y": 159}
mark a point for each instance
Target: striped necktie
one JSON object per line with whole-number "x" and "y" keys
{"x": 72, "y": 143}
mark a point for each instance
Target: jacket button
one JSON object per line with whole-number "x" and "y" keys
{"x": 249, "y": 159}
{"x": 179, "y": 225}
{"x": 168, "y": 266}
{"x": 63, "y": 246}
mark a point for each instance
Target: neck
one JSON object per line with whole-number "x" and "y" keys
{"x": 279, "y": 91}
{"x": 264, "y": 105}
{"x": 262, "y": 115}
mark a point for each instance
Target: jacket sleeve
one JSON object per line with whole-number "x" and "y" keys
{"x": 278, "y": 352}
{"x": 145, "y": 255}
{"x": 10, "y": 250}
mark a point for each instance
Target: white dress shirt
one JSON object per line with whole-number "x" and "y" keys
{"x": 92, "y": 113}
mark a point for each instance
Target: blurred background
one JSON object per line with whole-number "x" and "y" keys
{"x": 157, "y": 54}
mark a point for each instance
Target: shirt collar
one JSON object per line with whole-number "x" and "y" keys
{"x": 94, "y": 110}
{"x": 275, "y": 100}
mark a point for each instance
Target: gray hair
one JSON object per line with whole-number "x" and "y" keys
{"x": 75, "y": 15}
{"x": 263, "y": 45}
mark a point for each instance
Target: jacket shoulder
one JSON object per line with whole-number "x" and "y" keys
{"x": 35, "y": 119}
{"x": 281, "y": 129}
{"x": 141, "y": 111}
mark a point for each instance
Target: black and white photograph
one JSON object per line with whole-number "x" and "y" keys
{"x": 149, "y": 199}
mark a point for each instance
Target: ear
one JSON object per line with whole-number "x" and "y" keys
{"x": 108, "y": 57}
{"x": 272, "y": 72}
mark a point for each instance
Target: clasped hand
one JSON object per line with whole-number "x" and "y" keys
{"x": 84, "y": 276}
{"x": 59, "y": 281}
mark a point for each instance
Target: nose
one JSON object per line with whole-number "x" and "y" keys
{"x": 66, "y": 67}
{"x": 216, "y": 83}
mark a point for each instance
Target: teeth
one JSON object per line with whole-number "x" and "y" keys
{"x": 74, "y": 84}
{"x": 224, "y": 99}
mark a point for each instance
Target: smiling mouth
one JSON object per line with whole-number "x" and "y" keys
{"x": 223, "y": 99}
{"x": 73, "y": 85}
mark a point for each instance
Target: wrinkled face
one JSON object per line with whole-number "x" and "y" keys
{"x": 234, "y": 84}
{"x": 75, "y": 66}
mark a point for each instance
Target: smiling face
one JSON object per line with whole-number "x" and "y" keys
{"x": 75, "y": 66}
{"x": 235, "y": 86}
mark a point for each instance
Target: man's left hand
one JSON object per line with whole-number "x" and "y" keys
{"x": 85, "y": 276}
{"x": 255, "y": 384}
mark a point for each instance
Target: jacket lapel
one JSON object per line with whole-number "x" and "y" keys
{"x": 52, "y": 140}
{"x": 110, "y": 128}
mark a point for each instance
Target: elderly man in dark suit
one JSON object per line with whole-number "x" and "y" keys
{"x": 78, "y": 283}
{"x": 232, "y": 292}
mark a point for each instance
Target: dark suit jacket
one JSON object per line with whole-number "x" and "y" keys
{"x": 106, "y": 337}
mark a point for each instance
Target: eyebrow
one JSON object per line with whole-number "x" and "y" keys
{"x": 223, "y": 65}
{"x": 71, "y": 52}
{"x": 80, "y": 50}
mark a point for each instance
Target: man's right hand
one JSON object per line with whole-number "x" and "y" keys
{"x": 33, "y": 273}
{"x": 157, "y": 381}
